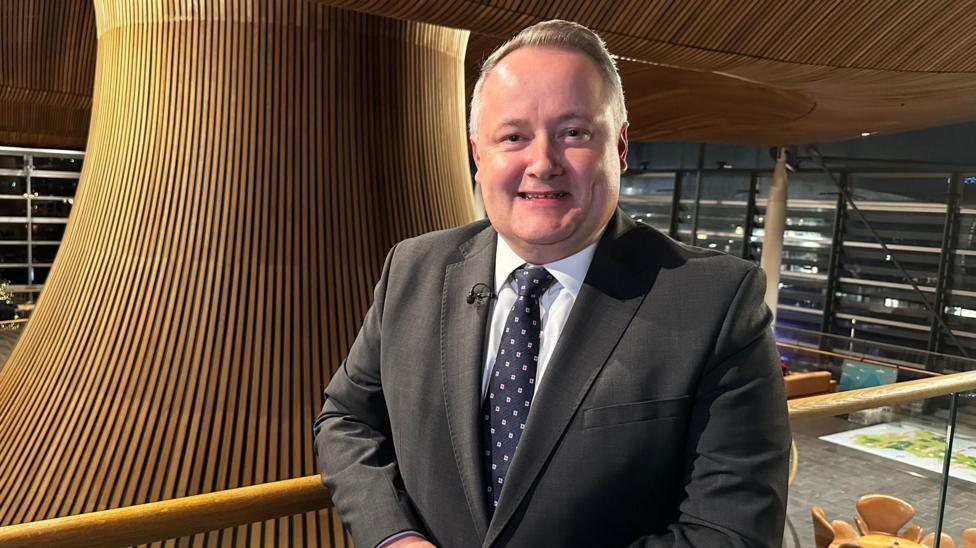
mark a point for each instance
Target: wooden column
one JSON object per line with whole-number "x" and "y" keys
{"x": 249, "y": 166}
{"x": 47, "y": 64}
{"x": 774, "y": 226}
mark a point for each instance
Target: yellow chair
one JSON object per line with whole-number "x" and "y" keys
{"x": 969, "y": 538}
{"x": 882, "y": 514}
{"x": 947, "y": 542}
{"x": 831, "y": 534}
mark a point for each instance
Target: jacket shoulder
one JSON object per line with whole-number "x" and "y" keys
{"x": 441, "y": 246}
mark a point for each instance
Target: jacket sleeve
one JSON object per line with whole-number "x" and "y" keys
{"x": 353, "y": 442}
{"x": 739, "y": 437}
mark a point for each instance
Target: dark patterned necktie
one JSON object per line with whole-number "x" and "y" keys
{"x": 512, "y": 380}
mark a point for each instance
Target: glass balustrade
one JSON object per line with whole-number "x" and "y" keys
{"x": 897, "y": 451}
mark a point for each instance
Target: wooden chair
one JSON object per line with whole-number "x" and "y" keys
{"x": 808, "y": 384}
{"x": 843, "y": 532}
{"x": 947, "y": 542}
{"x": 830, "y": 534}
{"x": 823, "y": 533}
{"x": 883, "y": 514}
{"x": 913, "y": 533}
{"x": 969, "y": 538}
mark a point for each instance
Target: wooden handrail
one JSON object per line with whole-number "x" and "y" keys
{"x": 200, "y": 513}
{"x": 866, "y": 398}
{"x": 174, "y": 518}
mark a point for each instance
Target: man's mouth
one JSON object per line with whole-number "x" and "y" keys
{"x": 542, "y": 195}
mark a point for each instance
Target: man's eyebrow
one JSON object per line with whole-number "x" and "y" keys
{"x": 565, "y": 117}
{"x": 512, "y": 122}
{"x": 572, "y": 116}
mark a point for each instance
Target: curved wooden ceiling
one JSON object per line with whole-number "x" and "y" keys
{"x": 770, "y": 71}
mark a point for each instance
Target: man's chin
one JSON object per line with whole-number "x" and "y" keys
{"x": 543, "y": 238}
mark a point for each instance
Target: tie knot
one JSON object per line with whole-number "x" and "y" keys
{"x": 532, "y": 282}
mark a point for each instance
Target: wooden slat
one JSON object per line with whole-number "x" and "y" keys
{"x": 47, "y": 63}
{"x": 249, "y": 166}
{"x": 762, "y": 72}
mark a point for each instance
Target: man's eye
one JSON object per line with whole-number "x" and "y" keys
{"x": 513, "y": 138}
{"x": 576, "y": 134}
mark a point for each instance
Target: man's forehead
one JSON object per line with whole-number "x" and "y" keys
{"x": 548, "y": 71}
{"x": 539, "y": 62}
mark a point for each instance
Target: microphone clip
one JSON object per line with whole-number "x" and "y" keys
{"x": 479, "y": 295}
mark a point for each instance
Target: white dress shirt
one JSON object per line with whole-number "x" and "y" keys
{"x": 556, "y": 303}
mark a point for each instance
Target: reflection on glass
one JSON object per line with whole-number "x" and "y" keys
{"x": 722, "y": 211}
{"x": 51, "y": 208}
{"x": 42, "y": 186}
{"x": 40, "y": 275}
{"x": 647, "y": 197}
{"x": 811, "y": 207}
{"x": 896, "y": 451}
{"x": 13, "y": 254}
{"x": 11, "y": 161}
{"x": 13, "y": 208}
{"x": 57, "y": 164}
{"x": 14, "y": 275}
{"x": 13, "y": 186}
{"x": 45, "y": 253}
{"x": 47, "y": 231}
{"x": 13, "y": 231}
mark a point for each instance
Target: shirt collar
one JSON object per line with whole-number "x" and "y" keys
{"x": 568, "y": 271}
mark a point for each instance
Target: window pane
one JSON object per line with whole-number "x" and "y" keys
{"x": 647, "y": 197}
{"x": 13, "y": 207}
{"x": 57, "y": 164}
{"x": 47, "y": 231}
{"x": 722, "y": 212}
{"x": 686, "y": 205}
{"x": 15, "y": 275}
{"x": 40, "y": 275}
{"x": 11, "y": 161}
{"x": 15, "y": 186}
{"x": 900, "y": 187}
{"x": 13, "y": 254}
{"x": 45, "y": 253}
{"x": 50, "y": 208}
{"x": 810, "y": 211}
{"x": 44, "y": 186}
{"x": 13, "y": 231}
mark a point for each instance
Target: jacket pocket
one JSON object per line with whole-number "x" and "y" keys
{"x": 634, "y": 412}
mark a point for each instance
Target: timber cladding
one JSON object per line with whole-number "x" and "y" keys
{"x": 47, "y": 63}
{"x": 763, "y": 72}
{"x": 248, "y": 167}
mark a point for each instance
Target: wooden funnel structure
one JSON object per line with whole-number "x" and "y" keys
{"x": 249, "y": 164}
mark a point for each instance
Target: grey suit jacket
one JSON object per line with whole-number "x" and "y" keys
{"x": 661, "y": 420}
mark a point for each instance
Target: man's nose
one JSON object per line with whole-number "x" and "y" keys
{"x": 545, "y": 162}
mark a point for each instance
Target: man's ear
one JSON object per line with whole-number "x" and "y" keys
{"x": 622, "y": 147}
{"x": 476, "y": 156}
{"x": 474, "y": 151}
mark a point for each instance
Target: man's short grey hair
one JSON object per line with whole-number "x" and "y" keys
{"x": 556, "y": 34}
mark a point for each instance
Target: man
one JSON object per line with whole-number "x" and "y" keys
{"x": 558, "y": 375}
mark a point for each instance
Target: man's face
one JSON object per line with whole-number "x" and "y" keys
{"x": 549, "y": 159}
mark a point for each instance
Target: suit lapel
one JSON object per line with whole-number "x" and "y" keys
{"x": 613, "y": 290}
{"x": 463, "y": 328}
